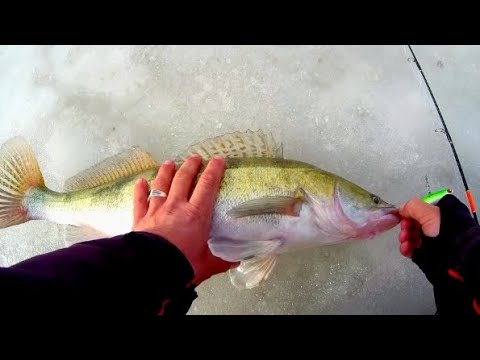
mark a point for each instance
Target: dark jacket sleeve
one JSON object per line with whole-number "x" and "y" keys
{"x": 451, "y": 261}
{"x": 133, "y": 275}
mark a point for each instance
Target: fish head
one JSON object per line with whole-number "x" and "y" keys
{"x": 365, "y": 214}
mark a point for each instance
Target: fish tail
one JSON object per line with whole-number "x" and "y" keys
{"x": 19, "y": 173}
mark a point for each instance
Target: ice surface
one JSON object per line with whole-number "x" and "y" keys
{"x": 454, "y": 74}
{"x": 359, "y": 111}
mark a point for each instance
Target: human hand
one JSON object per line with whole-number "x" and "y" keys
{"x": 443, "y": 241}
{"x": 184, "y": 216}
{"x": 418, "y": 217}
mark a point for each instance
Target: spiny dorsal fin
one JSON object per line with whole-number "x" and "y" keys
{"x": 236, "y": 145}
{"x": 127, "y": 163}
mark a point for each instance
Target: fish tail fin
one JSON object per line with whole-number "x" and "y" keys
{"x": 19, "y": 172}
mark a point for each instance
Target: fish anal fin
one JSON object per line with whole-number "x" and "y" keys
{"x": 74, "y": 234}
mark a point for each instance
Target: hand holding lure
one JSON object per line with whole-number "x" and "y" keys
{"x": 434, "y": 198}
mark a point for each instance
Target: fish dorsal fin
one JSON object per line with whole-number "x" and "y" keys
{"x": 239, "y": 144}
{"x": 129, "y": 162}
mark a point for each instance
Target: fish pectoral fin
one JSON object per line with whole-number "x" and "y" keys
{"x": 283, "y": 205}
{"x": 240, "y": 144}
{"x": 250, "y": 273}
{"x": 75, "y": 234}
{"x": 129, "y": 162}
{"x": 234, "y": 250}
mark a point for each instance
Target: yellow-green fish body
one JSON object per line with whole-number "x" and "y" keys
{"x": 107, "y": 208}
{"x": 266, "y": 205}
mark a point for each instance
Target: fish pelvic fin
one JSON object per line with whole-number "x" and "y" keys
{"x": 19, "y": 172}
{"x": 234, "y": 250}
{"x": 256, "y": 258}
{"x": 250, "y": 273}
{"x": 240, "y": 144}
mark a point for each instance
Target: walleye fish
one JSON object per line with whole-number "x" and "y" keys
{"x": 266, "y": 206}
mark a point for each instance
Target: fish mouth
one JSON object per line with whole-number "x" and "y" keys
{"x": 395, "y": 212}
{"x": 391, "y": 210}
{"x": 387, "y": 218}
{"x": 390, "y": 218}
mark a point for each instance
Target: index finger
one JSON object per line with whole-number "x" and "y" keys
{"x": 205, "y": 193}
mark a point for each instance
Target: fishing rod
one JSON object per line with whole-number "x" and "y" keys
{"x": 468, "y": 192}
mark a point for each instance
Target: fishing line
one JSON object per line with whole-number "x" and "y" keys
{"x": 468, "y": 192}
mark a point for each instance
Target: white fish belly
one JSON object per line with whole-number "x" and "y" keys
{"x": 109, "y": 221}
{"x": 294, "y": 232}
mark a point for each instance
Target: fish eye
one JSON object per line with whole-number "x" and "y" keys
{"x": 376, "y": 199}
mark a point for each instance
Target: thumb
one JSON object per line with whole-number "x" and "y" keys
{"x": 428, "y": 216}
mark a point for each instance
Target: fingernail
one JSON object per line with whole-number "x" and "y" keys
{"x": 168, "y": 162}
{"x": 218, "y": 157}
{"x": 139, "y": 181}
{"x": 195, "y": 156}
